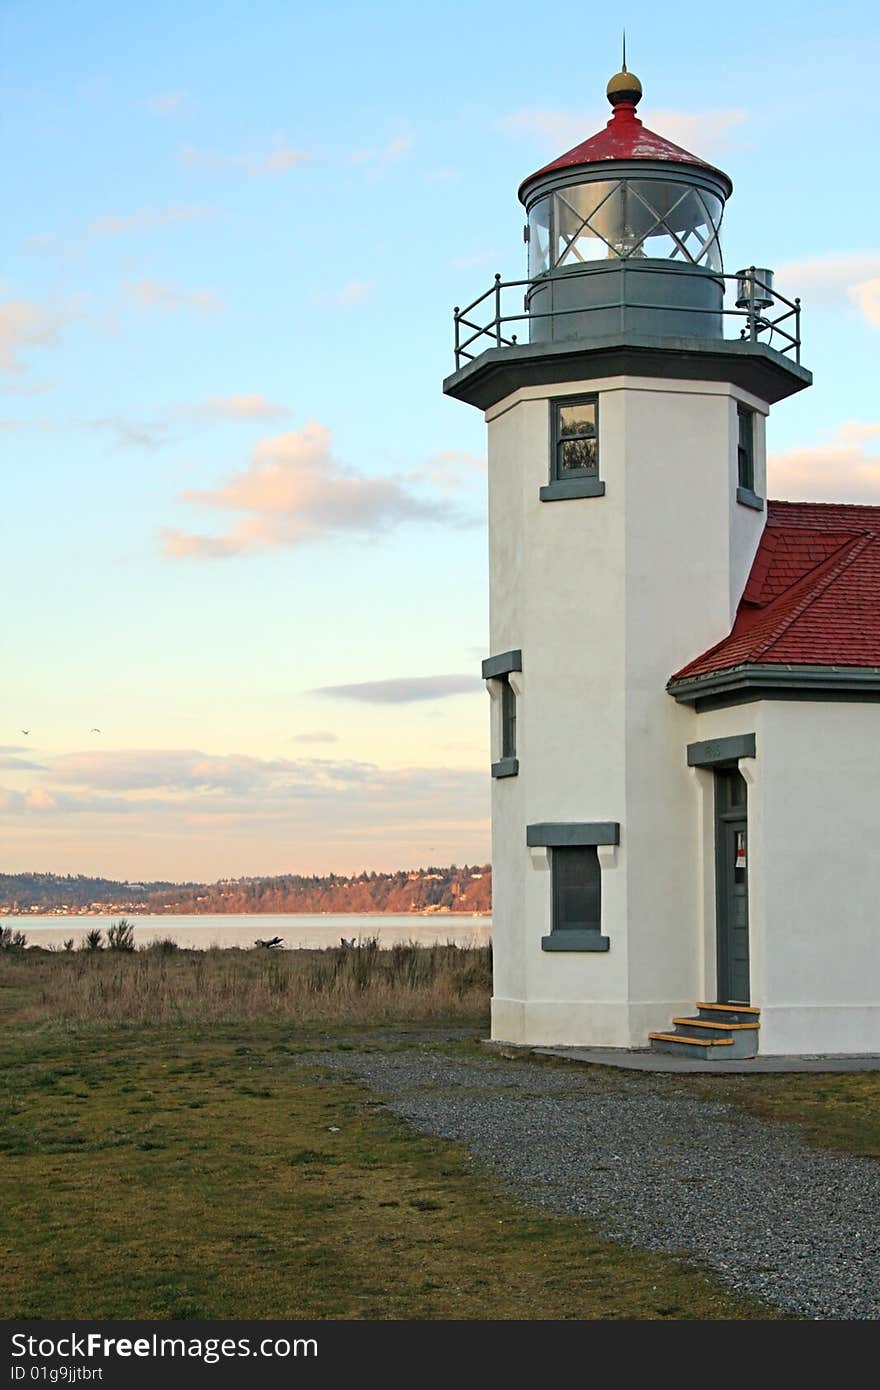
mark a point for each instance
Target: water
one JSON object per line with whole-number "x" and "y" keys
{"x": 242, "y": 929}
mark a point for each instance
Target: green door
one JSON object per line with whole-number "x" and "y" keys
{"x": 732, "y": 887}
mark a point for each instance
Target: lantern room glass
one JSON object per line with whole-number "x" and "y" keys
{"x": 657, "y": 219}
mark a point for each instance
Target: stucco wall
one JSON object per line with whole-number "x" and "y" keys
{"x": 606, "y": 597}
{"x": 820, "y": 773}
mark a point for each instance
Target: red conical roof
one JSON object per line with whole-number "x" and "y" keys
{"x": 624, "y": 138}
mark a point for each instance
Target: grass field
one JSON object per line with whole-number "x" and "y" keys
{"x": 174, "y": 1162}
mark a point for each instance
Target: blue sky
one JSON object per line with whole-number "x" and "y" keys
{"x": 232, "y": 479}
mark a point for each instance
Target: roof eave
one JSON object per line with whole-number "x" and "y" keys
{"x": 766, "y": 681}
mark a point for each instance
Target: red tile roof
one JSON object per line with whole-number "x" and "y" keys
{"x": 813, "y": 595}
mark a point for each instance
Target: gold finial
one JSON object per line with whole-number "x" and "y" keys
{"x": 624, "y": 86}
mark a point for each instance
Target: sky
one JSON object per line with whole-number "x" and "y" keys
{"x": 243, "y": 531}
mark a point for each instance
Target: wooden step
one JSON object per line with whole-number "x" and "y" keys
{"x": 731, "y": 1008}
{"x": 692, "y": 1042}
{"x": 709, "y": 1023}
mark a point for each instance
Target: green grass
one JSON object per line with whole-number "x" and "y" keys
{"x": 212, "y": 1170}
{"x": 181, "y": 1175}
{"x": 838, "y": 1110}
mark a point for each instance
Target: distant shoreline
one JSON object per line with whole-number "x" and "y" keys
{"x": 134, "y": 912}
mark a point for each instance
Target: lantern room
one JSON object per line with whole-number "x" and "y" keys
{"x": 625, "y": 226}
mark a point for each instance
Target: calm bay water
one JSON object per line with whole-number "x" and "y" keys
{"x": 242, "y": 929}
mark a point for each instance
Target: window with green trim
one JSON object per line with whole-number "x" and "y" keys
{"x": 577, "y": 888}
{"x": 575, "y": 439}
{"x": 508, "y": 719}
{"x": 745, "y": 451}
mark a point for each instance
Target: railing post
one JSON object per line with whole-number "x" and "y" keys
{"x": 797, "y": 330}
{"x": 497, "y": 310}
{"x": 455, "y": 313}
{"x": 753, "y": 319}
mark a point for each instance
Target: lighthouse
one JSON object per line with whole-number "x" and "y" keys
{"x": 653, "y": 781}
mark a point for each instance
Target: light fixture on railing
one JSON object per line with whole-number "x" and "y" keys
{"x": 754, "y": 288}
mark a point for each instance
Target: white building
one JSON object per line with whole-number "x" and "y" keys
{"x": 669, "y": 828}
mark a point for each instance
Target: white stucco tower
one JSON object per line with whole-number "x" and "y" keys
{"x": 626, "y": 506}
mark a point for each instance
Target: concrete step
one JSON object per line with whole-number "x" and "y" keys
{"x": 732, "y": 1013}
{"x": 743, "y": 1037}
{"x": 684, "y": 1045}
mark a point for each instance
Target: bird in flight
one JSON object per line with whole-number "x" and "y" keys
{"x": 94, "y": 731}
{"x": 25, "y": 731}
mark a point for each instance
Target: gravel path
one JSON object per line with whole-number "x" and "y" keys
{"x": 649, "y": 1164}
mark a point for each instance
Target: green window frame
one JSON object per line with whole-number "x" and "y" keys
{"x": 508, "y": 719}
{"x": 745, "y": 448}
{"x": 745, "y": 459}
{"x": 574, "y": 449}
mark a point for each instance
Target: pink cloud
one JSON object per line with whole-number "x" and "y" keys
{"x": 253, "y": 406}
{"x": 843, "y": 469}
{"x": 295, "y": 491}
{"x": 23, "y": 324}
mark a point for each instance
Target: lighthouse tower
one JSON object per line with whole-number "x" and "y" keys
{"x": 625, "y": 384}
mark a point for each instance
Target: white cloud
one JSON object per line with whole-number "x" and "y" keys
{"x": 150, "y": 294}
{"x": 355, "y": 292}
{"x": 278, "y": 160}
{"x": 451, "y": 470}
{"x": 704, "y": 133}
{"x": 842, "y": 469}
{"x": 389, "y": 153}
{"x": 837, "y": 279}
{"x": 145, "y": 219}
{"x": 167, "y": 103}
{"x": 295, "y": 491}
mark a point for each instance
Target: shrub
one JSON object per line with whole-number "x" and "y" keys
{"x": 120, "y": 936}
{"x": 162, "y": 946}
{"x": 12, "y": 940}
{"x": 93, "y": 940}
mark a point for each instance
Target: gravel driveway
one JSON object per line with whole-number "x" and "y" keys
{"x": 651, "y": 1165}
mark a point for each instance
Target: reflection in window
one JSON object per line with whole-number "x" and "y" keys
{"x": 745, "y": 450}
{"x": 575, "y": 437}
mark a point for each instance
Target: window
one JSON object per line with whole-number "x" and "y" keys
{"x": 745, "y": 455}
{"x": 621, "y": 218}
{"x": 746, "y": 448}
{"x": 508, "y": 719}
{"x": 574, "y": 449}
{"x": 575, "y": 881}
{"x": 498, "y": 669}
{"x": 575, "y": 440}
{"x": 577, "y": 889}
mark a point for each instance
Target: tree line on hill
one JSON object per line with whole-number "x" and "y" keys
{"x": 467, "y": 888}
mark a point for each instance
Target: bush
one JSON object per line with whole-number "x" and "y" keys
{"x": 12, "y": 940}
{"x": 120, "y": 936}
{"x": 93, "y": 940}
{"x": 162, "y": 946}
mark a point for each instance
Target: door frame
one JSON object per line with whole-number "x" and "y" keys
{"x": 726, "y": 816}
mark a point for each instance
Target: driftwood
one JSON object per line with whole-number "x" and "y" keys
{"x": 275, "y": 941}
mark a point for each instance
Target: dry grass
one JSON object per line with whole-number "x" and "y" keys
{"x": 418, "y": 984}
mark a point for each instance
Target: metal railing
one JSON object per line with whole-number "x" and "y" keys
{"x": 496, "y": 333}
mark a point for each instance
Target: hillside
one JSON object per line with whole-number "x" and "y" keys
{"x": 454, "y": 889}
